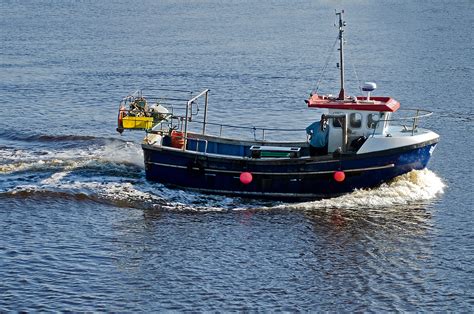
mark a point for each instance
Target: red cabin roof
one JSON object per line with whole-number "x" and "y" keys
{"x": 375, "y": 103}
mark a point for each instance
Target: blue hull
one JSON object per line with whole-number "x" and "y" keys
{"x": 300, "y": 178}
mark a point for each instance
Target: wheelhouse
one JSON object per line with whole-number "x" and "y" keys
{"x": 354, "y": 118}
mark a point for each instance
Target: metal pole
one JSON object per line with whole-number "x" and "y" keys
{"x": 344, "y": 134}
{"x": 186, "y": 125}
{"x": 187, "y": 114}
{"x": 341, "y": 52}
{"x": 415, "y": 122}
{"x": 206, "y": 99}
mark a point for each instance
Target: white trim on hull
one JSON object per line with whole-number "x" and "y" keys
{"x": 397, "y": 139}
{"x": 275, "y": 173}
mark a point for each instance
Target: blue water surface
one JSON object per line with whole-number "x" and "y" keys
{"x": 82, "y": 230}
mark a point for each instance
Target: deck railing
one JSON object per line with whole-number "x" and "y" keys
{"x": 259, "y": 133}
{"x": 413, "y": 119}
{"x": 183, "y": 106}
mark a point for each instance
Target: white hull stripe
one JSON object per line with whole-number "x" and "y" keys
{"x": 274, "y": 173}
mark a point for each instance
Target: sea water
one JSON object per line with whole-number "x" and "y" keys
{"x": 82, "y": 230}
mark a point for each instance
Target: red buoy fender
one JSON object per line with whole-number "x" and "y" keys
{"x": 246, "y": 177}
{"x": 339, "y": 176}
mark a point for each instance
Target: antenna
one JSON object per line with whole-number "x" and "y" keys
{"x": 342, "y": 23}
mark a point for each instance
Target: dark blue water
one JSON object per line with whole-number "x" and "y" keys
{"x": 81, "y": 229}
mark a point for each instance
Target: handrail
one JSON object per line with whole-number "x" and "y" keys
{"x": 199, "y": 95}
{"x": 262, "y": 130}
{"x": 417, "y": 116}
{"x": 187, "y": 117}
{"x": 415, "y": 119}
{"x": 199, "y": 140}
{"x": 189, "y": 105}
{"x": 427, "y": 114}
{"x": 161, "y": 100}
{"x": 250, "y": 127}
{"x": 174, "y": 90}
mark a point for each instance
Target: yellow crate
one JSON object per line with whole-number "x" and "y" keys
{"x": 137, "y": 122}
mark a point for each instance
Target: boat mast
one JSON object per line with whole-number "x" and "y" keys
{"x": 342, "y": 23}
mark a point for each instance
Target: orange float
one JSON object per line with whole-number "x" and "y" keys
{"x": 177, "y": 139}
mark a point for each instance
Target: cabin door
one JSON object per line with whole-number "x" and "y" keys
{"x": 335, "y": 134}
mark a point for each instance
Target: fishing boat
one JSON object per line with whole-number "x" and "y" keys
{"x": 366, "y": 145}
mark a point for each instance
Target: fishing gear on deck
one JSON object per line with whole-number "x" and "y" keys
{"x": 135, "y": 113}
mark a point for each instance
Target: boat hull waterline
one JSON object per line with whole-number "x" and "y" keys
{"x": 296, "y": 179}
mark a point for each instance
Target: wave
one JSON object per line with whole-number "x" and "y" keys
{"x": 34, "y": 137}
{"x": 110, "y": 157}
{"x": 113, "y": 172}
{"x": 104, "y": 173}
{"x": 122, "y": 195}
{"x": 413, "y": 188}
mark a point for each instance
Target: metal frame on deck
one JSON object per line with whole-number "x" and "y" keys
{"x": 189, "y": 105}
{"x": 189, "y": 114}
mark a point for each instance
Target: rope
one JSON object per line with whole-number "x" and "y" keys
{"x": 321, "y": 75}
{"x": 355, "y": 72}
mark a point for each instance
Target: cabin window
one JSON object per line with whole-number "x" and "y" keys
{"x": 336, "y": 122}
{"x": 373, "y": 119}
{"x": 355, "y": 120}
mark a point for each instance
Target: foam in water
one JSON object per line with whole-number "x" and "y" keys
{"x": 127, "y": 152}
{"x": 112, "y": 172}
{"x": 411, "y": 188}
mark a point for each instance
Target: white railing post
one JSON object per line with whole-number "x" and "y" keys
{"x": 206, "y": 99}
{"x": 186, "y": 126}
{"x": 189, "y": 103}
